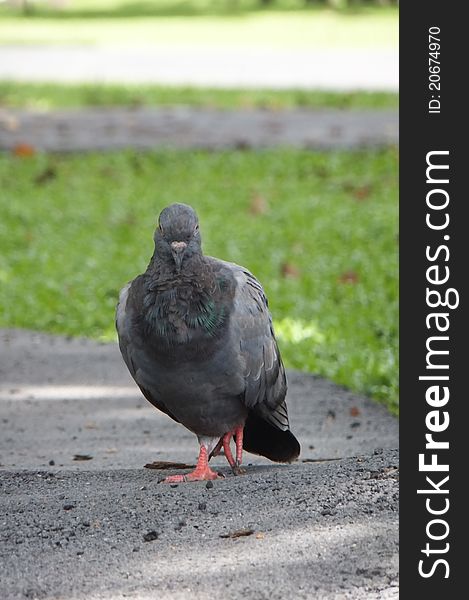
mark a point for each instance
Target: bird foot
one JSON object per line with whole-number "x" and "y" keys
{"x": 202, "y": 472}
{"x": 197, "y": 475}
{"x": 238, "y": 470}
{"x": 235, "y": 464}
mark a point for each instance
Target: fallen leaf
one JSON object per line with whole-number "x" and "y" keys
{"x": 242, "y": 144}
{"x": 321, "y": 172}
{"x": 358, "y": 192}
{"x": 24, "y": 150}
{"x": 91, "y": 425}
{"x": 46, "y": 175}
{"x": 354, "y": 411}
{"x": 362, "y": 193}
{"x": 260, "y": 536}
{"x": 259, "y": 205}
{"x": 290, "y": 271}
{"x": 349, "y": 277}
{"x": 82, "y": 457}
{"x": 238, "y": 533}
{"x": 318, "y": 460}
{"x": 384, "y": 473}
{"x": 163, "y": 464}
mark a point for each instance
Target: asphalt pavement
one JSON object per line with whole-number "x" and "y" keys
{"x": 185, "y": 127}
{"x": 81, "y": 516}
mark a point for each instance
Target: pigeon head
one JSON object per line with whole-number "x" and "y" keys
{"x": 177, "y": 236}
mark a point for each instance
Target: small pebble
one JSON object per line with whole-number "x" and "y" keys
{"x": 68, "y": 506}
{"x": 150, "y": 536}
{"x": 209, "y": 484}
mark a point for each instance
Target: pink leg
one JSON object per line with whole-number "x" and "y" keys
{"x": 202, "y": 471}
{"x": 226, "y": 448}
{"x": 238, "y": 435}
{"x": 239, "y": 445}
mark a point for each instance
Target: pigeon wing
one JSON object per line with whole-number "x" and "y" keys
{"x": 252, "y": 330}
{"x": 266, "y": 430}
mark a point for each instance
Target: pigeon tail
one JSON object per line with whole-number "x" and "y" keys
{"x": 263, "y": 438}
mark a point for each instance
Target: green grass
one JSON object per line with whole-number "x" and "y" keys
{"x": 289, "y": 24}
{"x": 40, "y": 96}
{"x": 318, "y": 229}
{"x": 189, "y": 8}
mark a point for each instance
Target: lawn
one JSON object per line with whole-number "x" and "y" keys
{"x": 286, "y": 24}
{"x": 48, "y": 96}
{"x": 318, "y": 229}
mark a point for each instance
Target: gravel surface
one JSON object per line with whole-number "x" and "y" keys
{"x": 184, "y": 127}
{"x": 81, "y": 517}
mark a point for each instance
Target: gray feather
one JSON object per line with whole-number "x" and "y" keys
{"x": 196, "y": 335}
{"x": 251, "y": 327}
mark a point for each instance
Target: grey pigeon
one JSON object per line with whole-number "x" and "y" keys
{"x": 196, "y": 335}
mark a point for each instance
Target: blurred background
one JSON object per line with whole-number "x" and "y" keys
{"x": 275, "y": 119}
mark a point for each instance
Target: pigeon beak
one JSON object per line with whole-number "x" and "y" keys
{"x": 177, "y": 250}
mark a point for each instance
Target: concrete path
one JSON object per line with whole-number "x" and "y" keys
{"x": 331, "y": 69}
{"x": 81, "y": 517}
{"x": 184, "y": 127}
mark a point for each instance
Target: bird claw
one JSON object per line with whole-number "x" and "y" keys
{"x": 238, "y": 470}
{"x": 173, "y": 479}
{"x": 197, "y": 475}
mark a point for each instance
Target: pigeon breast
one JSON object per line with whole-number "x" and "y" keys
{"x": 175, "y": 340}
